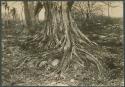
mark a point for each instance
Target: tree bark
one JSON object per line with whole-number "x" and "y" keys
{"x": 32, "y": 11}
{"x": 108, "y": 9}
{"x": 27, "y": 14}
{"x": 61, "y": 38}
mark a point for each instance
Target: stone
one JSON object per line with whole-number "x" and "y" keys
{"x": 55, "y": 62}
{"x": 72, "y": 80}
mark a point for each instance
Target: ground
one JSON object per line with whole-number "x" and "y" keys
{"x": 110, "y": 39}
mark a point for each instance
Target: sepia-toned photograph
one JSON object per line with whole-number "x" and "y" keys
{"x": 62, "y": 43}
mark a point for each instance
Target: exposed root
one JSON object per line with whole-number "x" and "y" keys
{"x": 61, "y": 36}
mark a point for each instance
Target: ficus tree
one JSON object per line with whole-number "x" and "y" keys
{"x": 61, "y": 38}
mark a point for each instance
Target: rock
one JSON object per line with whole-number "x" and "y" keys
{"x": 72, "y": 80}
{"x": 55, "y": 62}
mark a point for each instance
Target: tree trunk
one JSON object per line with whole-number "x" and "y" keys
{"x": 61, "y": 38}
{"x": 88, "y": 10}
{"x": 31, "y": 10}
{"x": 108, "y": 9}
{"x": 27, "y": 14}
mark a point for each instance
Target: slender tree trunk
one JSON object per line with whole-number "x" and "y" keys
{"x": 109, "y": 7}
{"x": 87, "y": 13}
{"x": 88, "y": 10}
{"x": 108, "y": 10}
{"x": 31, "y": 10}
{"x": 27, "y": 14}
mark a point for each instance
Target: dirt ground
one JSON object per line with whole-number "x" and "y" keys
{"x": 30, "y": 75}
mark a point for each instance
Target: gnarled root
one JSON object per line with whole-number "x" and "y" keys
{"x": 61, "y": 35}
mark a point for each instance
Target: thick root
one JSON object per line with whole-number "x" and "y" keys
{"x": 61, "y": 35}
